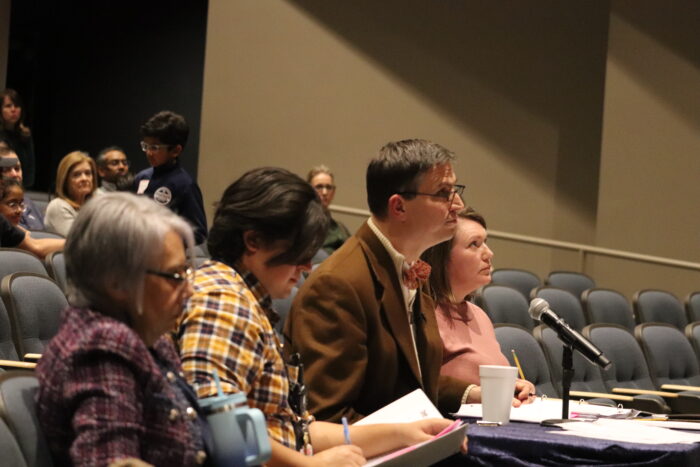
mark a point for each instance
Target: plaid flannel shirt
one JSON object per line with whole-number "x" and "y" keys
{"x": 103, "y": 396}
{"x": 226, "y": 327}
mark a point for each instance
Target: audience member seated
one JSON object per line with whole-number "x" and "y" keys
{"x": 10, "y": 167}
{"x": 75, "y": 185}
{"x": 113, "y": 169}
{"x": 459, "y": 267}
{"x": 267, "y": 227}
{"x": 16, "y": 237}
{"x": 109, "y": 381}
{"x": 16, "y": 133}
{"x": 164, "y": 136}
{"x": 362, "y": 322}
{"x": 321, "y": 178}
{"x": 11, "y": 200}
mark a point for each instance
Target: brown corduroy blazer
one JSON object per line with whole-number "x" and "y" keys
{"x": 350, "y": 325}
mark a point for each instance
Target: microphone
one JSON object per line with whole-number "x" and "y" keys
{"x": 540, "y": 311}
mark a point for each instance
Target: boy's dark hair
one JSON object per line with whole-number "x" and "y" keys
{"x": 398, "y": 169}
{"x": 168, "y": 127}
{"x": 277, "y": 205}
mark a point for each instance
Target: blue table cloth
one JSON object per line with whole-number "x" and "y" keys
{"x": 524, "y": 444}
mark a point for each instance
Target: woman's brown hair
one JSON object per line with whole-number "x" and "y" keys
{"x": 438, "y": 257}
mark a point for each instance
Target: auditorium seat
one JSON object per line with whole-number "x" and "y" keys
{"x": 629, "y": 373}
{"x": 670, "y": 356}
{"x": 533, "y": 362}
{"x": 504, "y": 305}
{"x": 563, "y": 303}
{"x": 607, "y": 306}
{"x": 692, "y": 306}
{"x": 34, "y": 304}
{"x": 692, "y": 332}
{"x": 17, "y": 408}
{"x": 587, "y": 382}
{"x": 659, "y": 306}
{"x": 44, "y": 234}
{"x": 574, "y": 282}
{"x": 56, "y": 267}
{"x": 519, "y": 279}
{"x": 11, "y": 453}
{"x": 282, "y": 307}
{"x": 16, "y": 260}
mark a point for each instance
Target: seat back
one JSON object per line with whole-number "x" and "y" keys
{"x": 669, "y": 354}
{"x": 533, "y": 362}
{"x": 521, "y": 280}
{"x": 659, "y": 306}
{"x": 586, "y": 375}
{"x": 282, "y": 307}
{"x": 504, "y": 305}
{"x": 319, "y": 256}
{"x": 16, "y": 260}
{"x": 45, "y": 234}
{"x": 574, "y": 282}
{"x": 34, "y": 303}
{"x": 692, "y": 306}
{"x": 607, "y": 306}
{"x": 11, "y": 453}
{"x": 692, "y": 332}
{"x": 17, "y": 408}
{"x": 8, "y": 351}
{"x": 629, "y": 367}
{"x": 56, "y": 267}
{"x": 563, "y": 303}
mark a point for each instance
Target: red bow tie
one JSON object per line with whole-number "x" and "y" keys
{"x": 416, "y": 273}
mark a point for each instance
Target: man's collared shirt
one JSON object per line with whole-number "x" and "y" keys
{"x": 409, "y": 295}
{"x": 226, "y": 327}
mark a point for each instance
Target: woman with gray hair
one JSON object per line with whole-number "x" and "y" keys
{"x": 109, "y": 381}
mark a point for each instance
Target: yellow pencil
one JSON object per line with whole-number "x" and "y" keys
{"x": 517, "y": 363}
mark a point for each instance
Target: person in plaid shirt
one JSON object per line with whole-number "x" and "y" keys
{"x": 267, "y": 226}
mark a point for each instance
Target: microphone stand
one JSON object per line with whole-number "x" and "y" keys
{"x": 567, "y": 364}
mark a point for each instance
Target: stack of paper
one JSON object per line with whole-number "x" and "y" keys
{"x": 544, "y": 409}
{"x": 410, "y": 408}
{"x": 630, "y": 431}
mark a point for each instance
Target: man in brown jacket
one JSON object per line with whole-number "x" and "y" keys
{"x": 366, "y": 334}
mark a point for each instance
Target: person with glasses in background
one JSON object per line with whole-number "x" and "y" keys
{"x": 14, "y": 236}
{"x": 76, "y": 180}
{"x": 323, "y": 181}
{"x": 163, "y": 138}
{"x": 113, "y": 169}
{"x": 110, "y": 384}
{"x": 362, "y": 321}
{"x": 31, "y": 217}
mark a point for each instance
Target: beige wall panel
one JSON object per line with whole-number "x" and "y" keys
{"x": 299, "y": 83}
{"x": 650, "y": 163}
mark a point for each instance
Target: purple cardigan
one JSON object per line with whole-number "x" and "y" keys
{"x": 103, "y": 395}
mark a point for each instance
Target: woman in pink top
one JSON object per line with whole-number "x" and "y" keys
{"x": 459, "y": 267}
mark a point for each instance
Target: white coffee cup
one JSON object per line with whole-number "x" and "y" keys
{"x": 497, "y": 389}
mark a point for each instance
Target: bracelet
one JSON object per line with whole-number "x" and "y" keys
{"x": 465, "y": 396}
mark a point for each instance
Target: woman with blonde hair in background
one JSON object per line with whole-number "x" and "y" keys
{"x": 75, "y": 185}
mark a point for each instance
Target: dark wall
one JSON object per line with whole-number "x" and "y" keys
{"x": 91, "y": 72}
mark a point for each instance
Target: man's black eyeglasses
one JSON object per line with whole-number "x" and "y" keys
{"x": 448, "y": 194}
{"x": 186, "y": 275}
